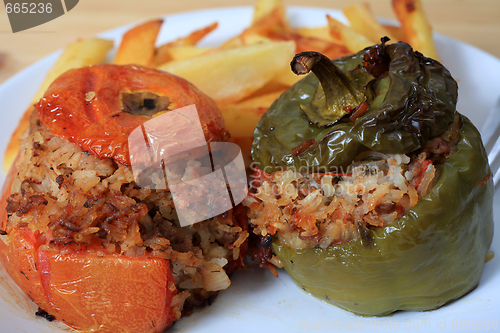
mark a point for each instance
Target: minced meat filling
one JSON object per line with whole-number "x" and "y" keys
{"x": 77, "y": 199}
{"x": 320, "y": 209}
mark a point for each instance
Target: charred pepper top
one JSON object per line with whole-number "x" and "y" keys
{"x": 410, "y": 98}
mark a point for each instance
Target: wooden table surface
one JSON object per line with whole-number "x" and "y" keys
{"x": 476, "y": 22}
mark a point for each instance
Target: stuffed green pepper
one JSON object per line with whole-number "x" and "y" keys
{"x": 370, "y": 189}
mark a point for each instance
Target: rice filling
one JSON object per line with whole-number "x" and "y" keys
{"x": 84, "y": 203}
{"x": 309, "y": 210}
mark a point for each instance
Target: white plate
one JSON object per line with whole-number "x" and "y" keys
{"x": 256, "y": 300}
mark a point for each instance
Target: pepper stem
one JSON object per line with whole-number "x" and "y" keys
{"x": 338, "y": 96}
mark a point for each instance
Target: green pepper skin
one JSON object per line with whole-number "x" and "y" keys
{"x": 433, "y": 255}
{"x": 414, "y": 102}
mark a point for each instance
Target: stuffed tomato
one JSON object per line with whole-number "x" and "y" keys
{"x": 370, "y": 189}
{"x": 81, "y": 238}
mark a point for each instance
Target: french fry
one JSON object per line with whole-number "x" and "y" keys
{"x": 270, "y": 24}
{"x": 162, "y": 55}
{"x": 232, "y": 74}
{"x": 362, "y": 20}
{"x": 263, "y": 99}
{"x": 246, "y": 38}
{"x": 305, "y": 43}
{"x": 263, "y": 8}
{"x": 334, "y": 51}
{"x": 194, "y": 37}
{"x": 330, "y": 49}
{"x": 164, "y": 52}
{"x": 187, "y": 52}
{"x": 273, "y": 25}
{"x": 416, "y": 28}
{"x": 286, "y": 77}
{"x": 246, "y": 73}
{"x": 78, "y": 54}
{"x": 271, "y": 87}
{"x": 397, "y": 32}
{"x": 138, "y": 44}
{"x": 318, "y": 32}
{"x": 241, "y": 119}
{"x": 250, "y": 38}
{"x": 241, "y": 122}
{"x": 13, "y": 146}
{"x": 353, "y": 40}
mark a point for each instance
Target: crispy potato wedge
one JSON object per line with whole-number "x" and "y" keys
{"x": 138, "y": 44}
{"x": 353, "y": 40}
{"x": 78, "y": 54}
{"x": 416, "y": 28}
{"x": 362, "y": 20}
{"x": 232, "y": 74}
